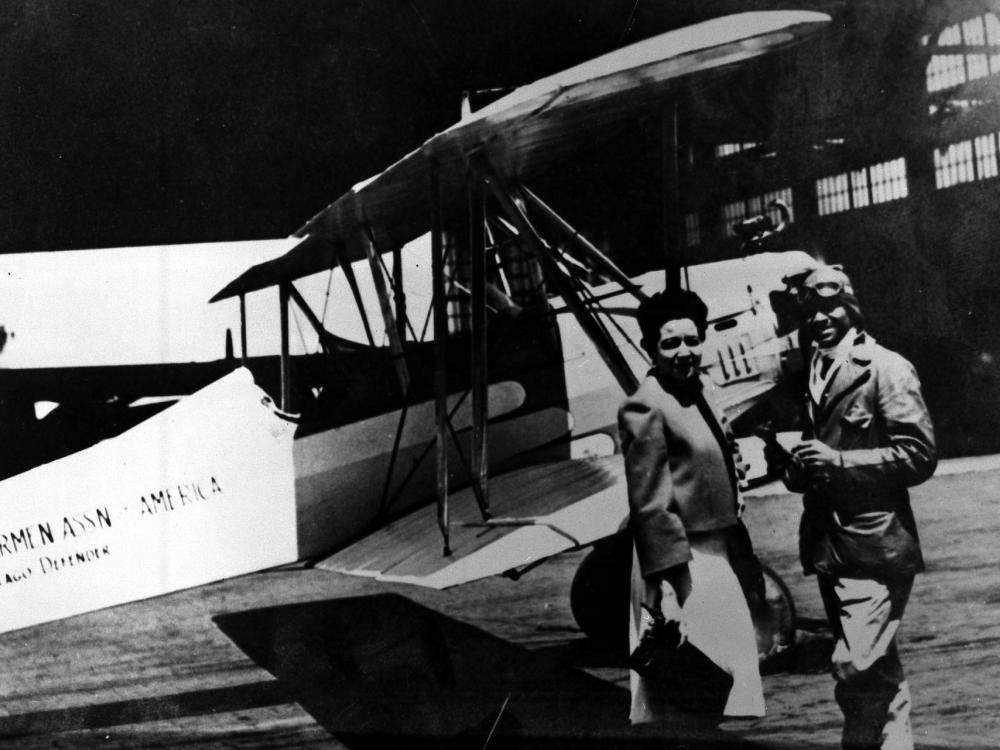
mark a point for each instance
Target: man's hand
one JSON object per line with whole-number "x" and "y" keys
{"x": 816, "y": 455}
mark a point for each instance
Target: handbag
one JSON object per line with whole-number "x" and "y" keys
{"x": 679, "y": 671}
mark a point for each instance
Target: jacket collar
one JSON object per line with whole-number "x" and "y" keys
{"x": 852, "y": 373}
{"x": 685, "y": 393}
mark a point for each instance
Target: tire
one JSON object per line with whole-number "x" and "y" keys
{"x": 599, "y": 594}
{"x": 774, "y": 623}
{"x": 599, "y": 599}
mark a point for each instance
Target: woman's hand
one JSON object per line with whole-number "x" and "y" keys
{"x": 670, "y": 592}
{"x": 669, "y": 605}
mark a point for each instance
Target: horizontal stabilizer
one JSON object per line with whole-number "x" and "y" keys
{"x": 202, "y": 491}
{"x": 538, "y": 512}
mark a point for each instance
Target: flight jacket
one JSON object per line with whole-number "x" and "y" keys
{"x": 858, "y": 521}
{"x": 680, "y": 479}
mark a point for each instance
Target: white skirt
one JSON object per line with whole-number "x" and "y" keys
{"x": 716, "y": 620}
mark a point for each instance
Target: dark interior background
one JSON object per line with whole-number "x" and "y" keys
{"x": 174, "y": 121}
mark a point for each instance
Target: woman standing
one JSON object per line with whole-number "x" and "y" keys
{"x": 683, "y": 503}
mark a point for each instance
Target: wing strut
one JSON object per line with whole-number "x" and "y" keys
{"x": 595, "y": 256}
{"x": 286, "y": 369}
{"x": 352, "y": 281}
{"x": 398, "y": 295}
{"x": 398, "y": 291}
{"x": 439, "y": 304}
{"x": 243, "y": 329}
{"x": 395, "y": 345}
{"x": 480, "y": 374}
{"x": 595, "y": 332}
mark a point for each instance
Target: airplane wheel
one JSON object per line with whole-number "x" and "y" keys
{"x": 774, "y": 624}
{"x": 599, "y": 595}
{"x": 599, "y": 599}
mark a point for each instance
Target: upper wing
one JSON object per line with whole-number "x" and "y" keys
{"x": 539, "y": 511}
{"x": 524, "y": 133}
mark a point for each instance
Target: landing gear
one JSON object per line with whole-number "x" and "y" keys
{"x": 599, "y": 596}
{"x": 599, "y": 599}
{"x": 774, "y": 623}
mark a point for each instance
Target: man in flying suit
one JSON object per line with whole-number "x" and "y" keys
{"x": 867, "y": 437}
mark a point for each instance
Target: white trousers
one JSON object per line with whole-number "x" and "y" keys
{"x": 716, "y": 620}
{"x": 871, "y": 690}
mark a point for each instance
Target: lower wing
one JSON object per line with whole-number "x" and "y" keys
{"x": 536, "y": 512}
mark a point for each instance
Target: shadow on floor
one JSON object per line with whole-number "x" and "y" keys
{"x": 143, "y": 710}
{"x": 810, "y": 653}
{"x": 583, "y": 652}
{"x": 382, "y": 671}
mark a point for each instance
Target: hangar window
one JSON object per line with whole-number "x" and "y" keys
{"x": 963, "y": 52}
{"x": 858, "y": 188}
{"x": 739, "y": 210}
{"x": 728, "y": 149}
{"x": 966, "y": 161}
{"x": 888, "y": 181}
{"x": 986, "y": 156}
{"x": 954, "y": 164}
{"x": 833, "y": 194}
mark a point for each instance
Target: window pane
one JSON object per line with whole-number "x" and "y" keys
{"x": 974, "y": 33}
{"x": 986, "y": 156}
{"x": 859, "y": 188}
{"x": 953, "y": 165}
{"x": 728, "y": 149}
{"x": 966, "y": 172}
{"x": 993, "y": 39}
{"x": 945, "y": 71}
{"x": 951, "y": 36}
{"x": 901, "y": 186}
{"x": 832, "y": 194}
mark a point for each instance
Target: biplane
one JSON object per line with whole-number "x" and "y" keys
{"x": 516, "y": 388}
{"x": 486, "y": 415}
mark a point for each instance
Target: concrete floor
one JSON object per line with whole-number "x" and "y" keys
{"x": 162, "y": 673}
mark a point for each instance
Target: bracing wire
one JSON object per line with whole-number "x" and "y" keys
{"x": 594, "y": 302}
{"x": 329, "y": 287}
{"x": 628, "y": 24}
{"x": 427, "y": 449}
